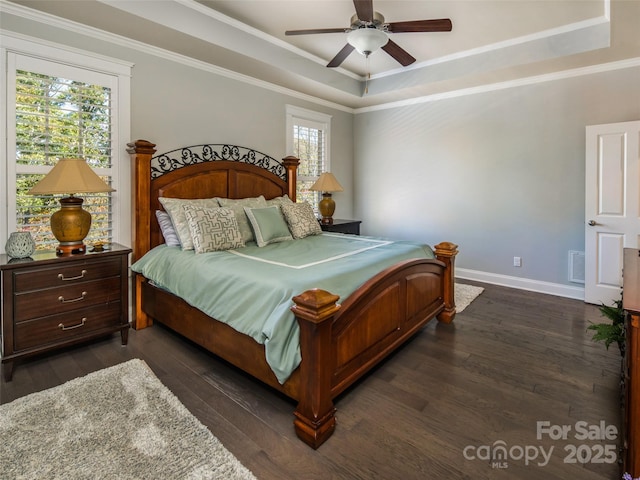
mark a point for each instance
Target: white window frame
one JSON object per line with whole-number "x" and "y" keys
{"x": 17, "y": 51}
{"x": 309, "y": 118}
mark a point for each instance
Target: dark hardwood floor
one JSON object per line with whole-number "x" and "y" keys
{"x": 510, "y": 360}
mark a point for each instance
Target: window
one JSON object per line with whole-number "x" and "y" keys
{"x": 56, "y": 118}
{"x": 57, "y": 110}
{"x": 308, "y": 139}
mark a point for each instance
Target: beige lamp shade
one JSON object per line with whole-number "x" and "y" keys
{"x": 327, "y": 183}
{"x": 70, "y": 175}
{"x": 70, "y": 225}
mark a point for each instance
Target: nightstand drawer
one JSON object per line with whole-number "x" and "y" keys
{"x": 63, "y": 326}
{"x": 39, "y": 303}
{"x": 36, "y": 278}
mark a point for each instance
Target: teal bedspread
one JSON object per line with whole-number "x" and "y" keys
{"x": 251, "y": 288}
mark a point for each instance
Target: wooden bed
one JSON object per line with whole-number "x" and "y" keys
{"x": 338, "y": 342}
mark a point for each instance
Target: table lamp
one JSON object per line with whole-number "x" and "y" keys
{"x": 70, "y": 225}
{"x": 326, "y": 184}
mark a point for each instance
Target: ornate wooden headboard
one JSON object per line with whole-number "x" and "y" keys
{"x": 200, "y": 171}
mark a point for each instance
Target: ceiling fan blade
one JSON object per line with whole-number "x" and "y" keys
{"x": 315, "y": 30}
{"x": 397, "y": 52}
{"x": 439, "y": 25}
{"x": 341, "y": 56}
{"x": 364, "y": 10}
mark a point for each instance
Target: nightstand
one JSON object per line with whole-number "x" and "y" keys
{"x": 51, "y": 301}
{"x": 343, "y": 226}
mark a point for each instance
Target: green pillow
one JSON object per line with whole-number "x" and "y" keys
{"x": 268, "y": 225}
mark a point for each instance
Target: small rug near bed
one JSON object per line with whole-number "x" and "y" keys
{"x": 120, "y": 422}
{"x": 465, "y": 294}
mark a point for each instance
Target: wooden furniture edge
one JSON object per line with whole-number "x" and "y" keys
{"x": 315, "y": 414}
{"x": 633, "y": 351}
{"x": 631, "y": 364}
{"x": 446, "y": 252}
{"x": 141, "y": 152}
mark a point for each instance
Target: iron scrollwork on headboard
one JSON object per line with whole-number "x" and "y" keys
{"x": 185, "y": 156}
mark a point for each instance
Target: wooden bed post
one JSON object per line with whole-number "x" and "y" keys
{"x": 315, "y": 415}
{"x": 141, "y": 152}
{"x": 291, "y": 164}
{"x": 446, "y": 252}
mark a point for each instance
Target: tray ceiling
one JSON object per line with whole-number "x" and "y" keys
{"x": 491, "y": 41}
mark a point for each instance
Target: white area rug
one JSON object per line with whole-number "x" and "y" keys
{"x": 120, "y": 422}
{"x": 465, "y": 294}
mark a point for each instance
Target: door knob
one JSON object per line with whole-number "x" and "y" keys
{"x": 592, "y": 223}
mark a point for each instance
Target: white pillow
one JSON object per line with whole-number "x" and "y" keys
{"x": 168, "y": 231}
{"x": 284, "y": 199}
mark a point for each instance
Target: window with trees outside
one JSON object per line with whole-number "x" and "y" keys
{"x": 55, "y": 111}
{"x": 308, "y": 134}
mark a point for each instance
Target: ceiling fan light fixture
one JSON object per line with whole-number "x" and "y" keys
{"x": 367, "y": 40}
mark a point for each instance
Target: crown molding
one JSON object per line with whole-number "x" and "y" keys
{"x": 549, "y": 77}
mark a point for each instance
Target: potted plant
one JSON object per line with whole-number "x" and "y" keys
{"x": 613, "y": 331}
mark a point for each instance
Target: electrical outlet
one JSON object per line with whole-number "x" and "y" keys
{"x": 517, "y": 261}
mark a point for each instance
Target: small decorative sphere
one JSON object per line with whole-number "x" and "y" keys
{"x": 20, "y": 245}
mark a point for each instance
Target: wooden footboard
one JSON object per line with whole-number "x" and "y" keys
{"x": 340, "y": 343}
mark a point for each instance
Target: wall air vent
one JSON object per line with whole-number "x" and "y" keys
{"x": 576, "y": 266}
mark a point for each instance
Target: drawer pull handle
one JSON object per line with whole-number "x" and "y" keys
{"x": 66, "y": 279}
{"x": 62, "y": 327}
{"x": 71, "y": 300}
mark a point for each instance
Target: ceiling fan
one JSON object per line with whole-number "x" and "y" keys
{"x": 368, "y": 32}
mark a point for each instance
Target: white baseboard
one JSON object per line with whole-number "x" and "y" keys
{"x": 557, "y": 289}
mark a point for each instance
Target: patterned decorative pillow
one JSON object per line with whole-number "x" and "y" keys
{"x": 213, "y": 229}
{"x": 173, "y": 207}
{"x": 301, "y": 219}
{"x": 237, "y": 205}
{"x": 166, "y": 227}
{"x": 268, "y": 225}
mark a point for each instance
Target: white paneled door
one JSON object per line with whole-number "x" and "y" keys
{"x": 612, "y": 212}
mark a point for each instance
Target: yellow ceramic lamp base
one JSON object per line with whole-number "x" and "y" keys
{"x": 327, "y": 206}
{"x": 70, "y": 225}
